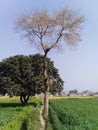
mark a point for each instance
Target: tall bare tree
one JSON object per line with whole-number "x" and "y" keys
{"x": 47, "y": 32}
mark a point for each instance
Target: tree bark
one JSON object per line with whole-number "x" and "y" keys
{"x": 46, "y": 96}
{"x": 46, "y": 99}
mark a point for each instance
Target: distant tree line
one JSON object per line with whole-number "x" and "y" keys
{"x": 76, "y": 92}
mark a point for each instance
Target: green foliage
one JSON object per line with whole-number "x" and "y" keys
{"x": 23, "y": 76}
{"x": 28, "y": 119}
{"x": 37, "y": 63}
{"x": 74, "y": 114}
{"x": 15, "y": 117}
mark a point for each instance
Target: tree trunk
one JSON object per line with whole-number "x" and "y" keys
{"x": 24, "y": 99}
{"x": 46, "y": 100}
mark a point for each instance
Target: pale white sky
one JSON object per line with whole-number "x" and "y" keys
{"x": 79, "y": 67}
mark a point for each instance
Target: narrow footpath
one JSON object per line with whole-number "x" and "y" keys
{"x": 42, "y": 120}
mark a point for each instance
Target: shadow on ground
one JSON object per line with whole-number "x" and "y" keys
{"x": 24, "y": 125}
{"x": 13, "y": 104}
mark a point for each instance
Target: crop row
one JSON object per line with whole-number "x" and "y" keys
{"x": 74, "y": 114}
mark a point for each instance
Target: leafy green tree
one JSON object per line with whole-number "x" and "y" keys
{"x": 22, "y": 76}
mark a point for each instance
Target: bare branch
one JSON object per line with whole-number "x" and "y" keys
{"x": 58, "y": 38}
{"x": 46, "y": 31}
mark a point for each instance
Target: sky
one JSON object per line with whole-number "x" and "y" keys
{"x": 77, "y": 67}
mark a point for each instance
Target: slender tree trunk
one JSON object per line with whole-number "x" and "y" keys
{"x": 46, "y": 99}
{"x": 46, "y": 96}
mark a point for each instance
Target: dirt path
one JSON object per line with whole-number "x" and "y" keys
{"x": 42, "y": 120}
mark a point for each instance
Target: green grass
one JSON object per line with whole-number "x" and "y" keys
{"x": 74, "y": 114}
{"x": 13, "y": 116}
{"x": 64, "y": 114}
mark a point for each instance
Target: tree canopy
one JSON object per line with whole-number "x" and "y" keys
{"x": 51, "y": 31}
{"x": 23, "y": 76}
